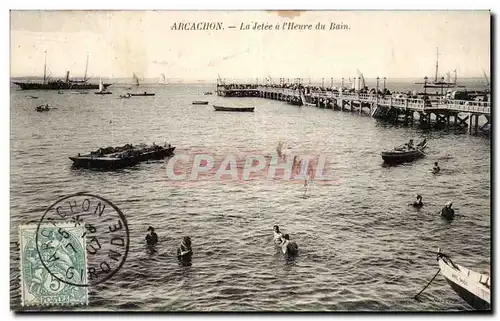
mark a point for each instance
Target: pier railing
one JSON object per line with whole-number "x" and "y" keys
{"x": 412, "y": 103}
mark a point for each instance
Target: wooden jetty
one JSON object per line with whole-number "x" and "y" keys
{"x": 444, "y": 113}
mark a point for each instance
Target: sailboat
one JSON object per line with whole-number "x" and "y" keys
{"x": 437, "y": 83}
{"x": 102, "y": 89}
{"x": 137, "y": 85}
{"x": 162, "y": 80}
{"x": 361, "y": 80}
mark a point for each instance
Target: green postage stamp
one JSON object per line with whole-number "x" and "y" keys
{"x": 53, "y": 265}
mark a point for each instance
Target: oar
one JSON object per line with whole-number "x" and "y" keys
{"x": 421, "y": 152}
{"x": 415, "y": 297}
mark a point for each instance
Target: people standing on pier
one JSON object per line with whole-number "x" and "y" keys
{"x": 151, "y": 237}
{"x": 436, "y": 168}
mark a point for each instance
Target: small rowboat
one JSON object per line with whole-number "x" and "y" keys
{"x": 238, "y": 109}
{"x": 471, "y": 286}
{"x": 43, "y": 108}
{"x": 103, "y": 93}
{"x": 200, "y": 102}
{"x": 403, "y": 155}
{"x": 142, "y": 94}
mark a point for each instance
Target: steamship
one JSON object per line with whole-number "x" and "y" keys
{"x": 59, "y": 84}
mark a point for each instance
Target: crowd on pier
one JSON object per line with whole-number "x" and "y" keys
{"x": 382, "y": 92}
{"x": 308, "y": 89}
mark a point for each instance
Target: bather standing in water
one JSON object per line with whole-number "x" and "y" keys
{"x": 418, "y": 203}
{"x": 436, "y": 168}
{"x": 288, "y": 247}
{"x": 447, "y": 212}
{"x": 185, "y": 250}
{"x": 277, "y": 235}
{"x": 152, "y": 237}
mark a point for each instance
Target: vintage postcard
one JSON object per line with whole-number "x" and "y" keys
{"x": 250, "y": 161}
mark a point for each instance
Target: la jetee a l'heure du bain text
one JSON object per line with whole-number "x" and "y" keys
{"x": 258, "y": 26}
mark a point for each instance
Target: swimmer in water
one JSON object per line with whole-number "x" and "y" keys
{"x": 447, "y": 212}
{"x": 436, "y": 168}
{"x": 289, "y": 248}
{"x": 185, "y": 251}
{"x": 152, "y": 237}
{"x": 277, "y": 235}
{"x": 418, "y": 203}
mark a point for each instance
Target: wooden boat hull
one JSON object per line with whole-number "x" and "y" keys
{"x": 58, "y": 85}
{"x": 404, "y": 156}
{"x": 468, "y": 284}
{"x": 103, "y": 93}
{"x": 138, "y": 95}
{"x": 200, "y": 103}
{"x": 401, "y": 157}
{"x": 235, "y": 109}
{"x": 109, "y": 163}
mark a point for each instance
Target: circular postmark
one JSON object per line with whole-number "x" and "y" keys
{"x": 82, "y": 239}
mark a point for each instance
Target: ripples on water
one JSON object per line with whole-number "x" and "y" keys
{"x": 361, "y": 245}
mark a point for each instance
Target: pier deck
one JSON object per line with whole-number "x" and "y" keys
{"x": 377, "y": 106}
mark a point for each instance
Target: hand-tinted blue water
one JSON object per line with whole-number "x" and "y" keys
{"x": 361, "y": 246}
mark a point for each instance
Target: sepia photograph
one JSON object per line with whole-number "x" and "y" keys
{"x": 250, "y": 161}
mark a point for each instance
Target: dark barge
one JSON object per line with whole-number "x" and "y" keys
{"x": 120, "y": 157}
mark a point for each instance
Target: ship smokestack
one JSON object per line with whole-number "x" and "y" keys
{"x": 67, "y": 76}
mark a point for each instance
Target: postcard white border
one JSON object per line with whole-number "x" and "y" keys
{"x": 197, "y": 5}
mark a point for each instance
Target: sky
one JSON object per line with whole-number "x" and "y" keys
{"x": 393, "y": 44}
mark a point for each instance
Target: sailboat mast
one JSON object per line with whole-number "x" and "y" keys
{"x": 455, "y": 80}
{"x": 86, "y": 67}
{"x": 486, "y": 78}
{"x": 45, "y": 68}
{"x": 437, "y": 64}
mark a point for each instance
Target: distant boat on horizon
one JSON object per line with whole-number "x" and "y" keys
{"x": 59, "y": 84}
{"x": 102, "y": 89}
